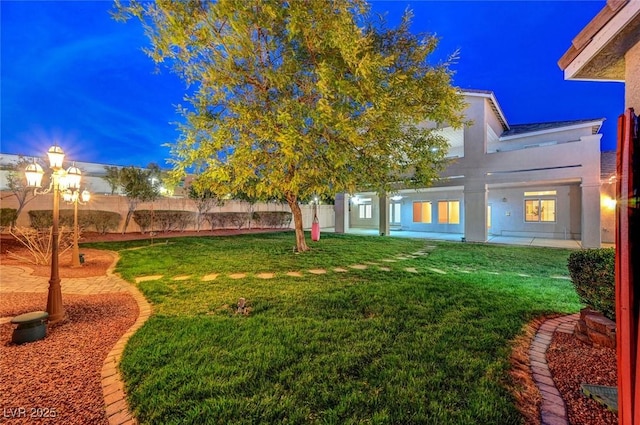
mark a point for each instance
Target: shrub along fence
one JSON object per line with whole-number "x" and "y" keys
{"x": 169, "y": 220}
{"x": 8, "y": 217}
{"x": 593, "y": 275}
{"x": 162, "y": 220}
{"x": 99, "y": 221}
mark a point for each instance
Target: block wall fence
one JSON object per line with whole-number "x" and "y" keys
{"x": 117, "y": 203}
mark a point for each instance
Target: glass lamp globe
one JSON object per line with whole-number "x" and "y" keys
{"x": 73, "y": 177}
{"x": 56, "y": 156}
{"x": 34, "y": 173}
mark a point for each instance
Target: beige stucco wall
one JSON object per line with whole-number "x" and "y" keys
{"x": 119, "y": 204}
{"x": 632, "y": 78}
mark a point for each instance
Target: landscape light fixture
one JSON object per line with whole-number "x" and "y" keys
{"x": 73, "y": 196}
{"x": 61, "y": 180}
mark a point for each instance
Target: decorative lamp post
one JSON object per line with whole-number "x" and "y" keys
{"x": 75, "y": 197}
{"x": 59, "y": 183}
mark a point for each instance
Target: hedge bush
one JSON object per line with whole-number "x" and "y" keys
{"x": 272, "y": 219}
{"x": 41, "y": 219}
{"x": 228, "y": 220}
{"x": 101, "y": 221}
{"x": 163, "y": 220}
{"x": 8, "y": 217}
{"x": 593, "y": 275}
{"x": 105, "y": 221}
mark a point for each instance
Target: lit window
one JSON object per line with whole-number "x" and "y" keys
{"x": 395, "y": 209}
{"x": 540, "y": 210}
{"x": 364, "y": 211}
{"x": 422, "y": 212}
{"x": 449, "y": 212}
{"x": 541, "y": 193}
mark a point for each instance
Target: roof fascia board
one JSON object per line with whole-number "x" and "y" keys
{"x": 601, "y": 39}
{"x": 496, "y": 105}
{"x": 609, "y": 11}
{"x": 553, "y": 130}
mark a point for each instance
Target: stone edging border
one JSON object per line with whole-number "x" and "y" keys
{"x": 115, "y": 397}
{"x": 553, "y": 410}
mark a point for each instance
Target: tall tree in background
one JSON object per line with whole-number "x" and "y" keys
{"x": 17, "y": 184}
{"x": 299, "y": 98}
{"x": 112, "y": 177}
{"x": 138, "y": 186}
{"x": 204, "y": 200}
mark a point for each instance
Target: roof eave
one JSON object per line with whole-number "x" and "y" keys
{"x": 494, "y": 103}
{"x": 597, "y": 52}
{"x": 595, "y": 123}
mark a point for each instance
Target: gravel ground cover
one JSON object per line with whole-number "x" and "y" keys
{"x": 572, "y": 363}
{"x": 57, "y": 379}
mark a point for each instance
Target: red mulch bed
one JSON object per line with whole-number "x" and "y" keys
{"x": 57, "y": 379}
{"x": 572, "y": 362}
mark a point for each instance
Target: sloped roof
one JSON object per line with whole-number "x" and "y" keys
{"x": 517, "y": 129}
{"x": 607, "y": 164}
{"x": 597, "y": 52}
{"x": 488, "y": 94}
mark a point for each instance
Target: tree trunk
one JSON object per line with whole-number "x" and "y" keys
{"x": 126, "y": 221}
{"x": 301, "y": 243}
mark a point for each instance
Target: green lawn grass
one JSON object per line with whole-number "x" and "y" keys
{"x": 365, "y": 346}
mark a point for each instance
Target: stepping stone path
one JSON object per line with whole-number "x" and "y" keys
{"x": 438, "y": 270}
{"x": 364, "y": 266}
{"x": 148, "y": 278}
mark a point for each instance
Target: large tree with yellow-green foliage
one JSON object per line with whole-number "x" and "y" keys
{"x": 291, "y": 99}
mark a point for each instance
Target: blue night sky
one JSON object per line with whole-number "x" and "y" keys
{"x": 70, "y": 73}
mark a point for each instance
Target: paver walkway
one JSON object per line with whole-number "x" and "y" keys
{"x": 20, "y": 279}
{"x": 552, "y": 410}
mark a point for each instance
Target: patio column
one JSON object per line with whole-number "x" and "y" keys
{"x": 590, "y": 215}
{"x": 475, "y": 211}
{"x": 383, "y": 224}
{"x": 341, "y": 210}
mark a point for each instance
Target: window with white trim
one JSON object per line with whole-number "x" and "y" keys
{"x": 422, "y": 212}
{"x": 449, "y": 212}
{"x": 364, "y": 208}
{"x": 395, "y": 208}
{"x": 540, "y": 210}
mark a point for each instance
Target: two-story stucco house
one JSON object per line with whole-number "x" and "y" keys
{"x": 540, "y": 180}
